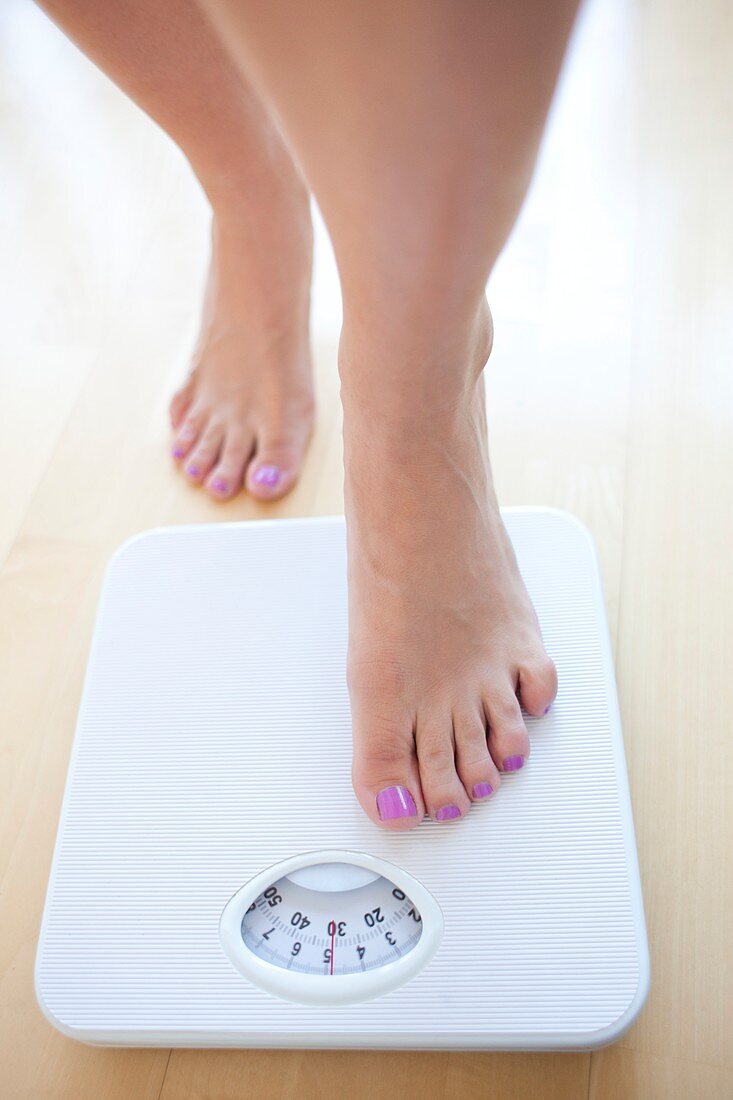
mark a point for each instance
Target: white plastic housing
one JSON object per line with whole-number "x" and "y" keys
{"x": 213, "y": 742}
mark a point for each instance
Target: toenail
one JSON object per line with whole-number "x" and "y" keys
{"x": 193, "y": 471}
{"x": 269, "y": 476}
{"x": 482, "y": 790}
{"x": 447, "y": 813}
{"x": 178, "y": 452}
{"x": 547, "y": 708}
{"x": 513, "y": 763}
{"x": 219, "y": 485}
{"x": 395, "y": 802}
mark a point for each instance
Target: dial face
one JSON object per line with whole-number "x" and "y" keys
{"x": 331, "y": 919}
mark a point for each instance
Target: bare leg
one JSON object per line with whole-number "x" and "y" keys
{"x": 417, "y": 124}
{"x": 245, "y": 413}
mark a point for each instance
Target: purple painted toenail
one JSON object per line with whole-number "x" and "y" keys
{"x": 268, "y": 476}
{"x": 193, "y": 471}
{"x": 482, "y": 790}
{"x": 513, "y": 763}
{"x": 178, "y": 452}
{"x": 395, "y": 802}
{"x": 219, "y": 485}
{"x": 547, "y": 708}
{"x": 447, "y": 813}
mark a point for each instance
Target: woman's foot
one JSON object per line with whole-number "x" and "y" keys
{"x": 444, "y": 642}
{"x": 245, "y": 413}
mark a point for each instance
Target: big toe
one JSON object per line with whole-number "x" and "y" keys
{"x": 277, "y": 461}
{"x": 385, "y": 777}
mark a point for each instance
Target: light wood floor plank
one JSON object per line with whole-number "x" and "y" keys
{"x": 619, "y": 1073}
{"x": 231, "y": 1075}
{"x": 674, "y": 653}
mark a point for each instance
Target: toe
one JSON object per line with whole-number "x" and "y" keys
{"x": 445, "y": 796}
{"x": 477, "y": 771}
{"x": 188, "y": 433}
{"x": 508, "y": 739}
{"x": 227, "y": 476}
{"x": 276, "y": 464}
{"x": 180, "y": 403}
{"x": 537, "y": 685}
{"x": 206, "y": 452}
{"x": 385, "y": 776}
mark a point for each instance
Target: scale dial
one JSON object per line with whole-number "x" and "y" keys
{"x": 337, "y": 931}
{"x": 331, "y": 927}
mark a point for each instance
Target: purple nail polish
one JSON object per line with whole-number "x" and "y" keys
{"x": 482, "y": 790}
{"x": 267, "y": 475}
{"x": 219, "y": 485}
{"x": 513, "y": 763}
{"x": 193, "y": 471}
{"x": 447, "y": 813}
{"x": 394, "y": 802}
{"x": 547, "y": 708}
{"x": 178, "y": 452}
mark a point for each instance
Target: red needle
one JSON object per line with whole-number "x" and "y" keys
{"x": 333, "y": 940}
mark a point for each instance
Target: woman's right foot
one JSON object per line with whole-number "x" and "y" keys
{"x": 245, "y": 413}
{"x": 445, "y": 649}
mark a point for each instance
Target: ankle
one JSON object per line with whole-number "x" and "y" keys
{"x": 260, "y": 273}
{"x": 401, "y": 393}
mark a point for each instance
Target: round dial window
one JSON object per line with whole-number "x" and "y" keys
{"x": 327, "y": 920}
{"x": 331, "y": 927}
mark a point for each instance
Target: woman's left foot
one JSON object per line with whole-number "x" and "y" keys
{"x": 245, "y": 414}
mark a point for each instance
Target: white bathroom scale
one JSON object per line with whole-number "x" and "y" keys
{"x": 214, "y": 881}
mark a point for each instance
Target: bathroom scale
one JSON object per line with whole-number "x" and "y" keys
{"x": 214, "y": 881}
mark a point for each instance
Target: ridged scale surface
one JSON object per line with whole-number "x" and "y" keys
{"x": 214, "y": 740}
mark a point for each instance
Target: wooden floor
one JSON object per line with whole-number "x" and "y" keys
{"x": 611, "y": 394}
